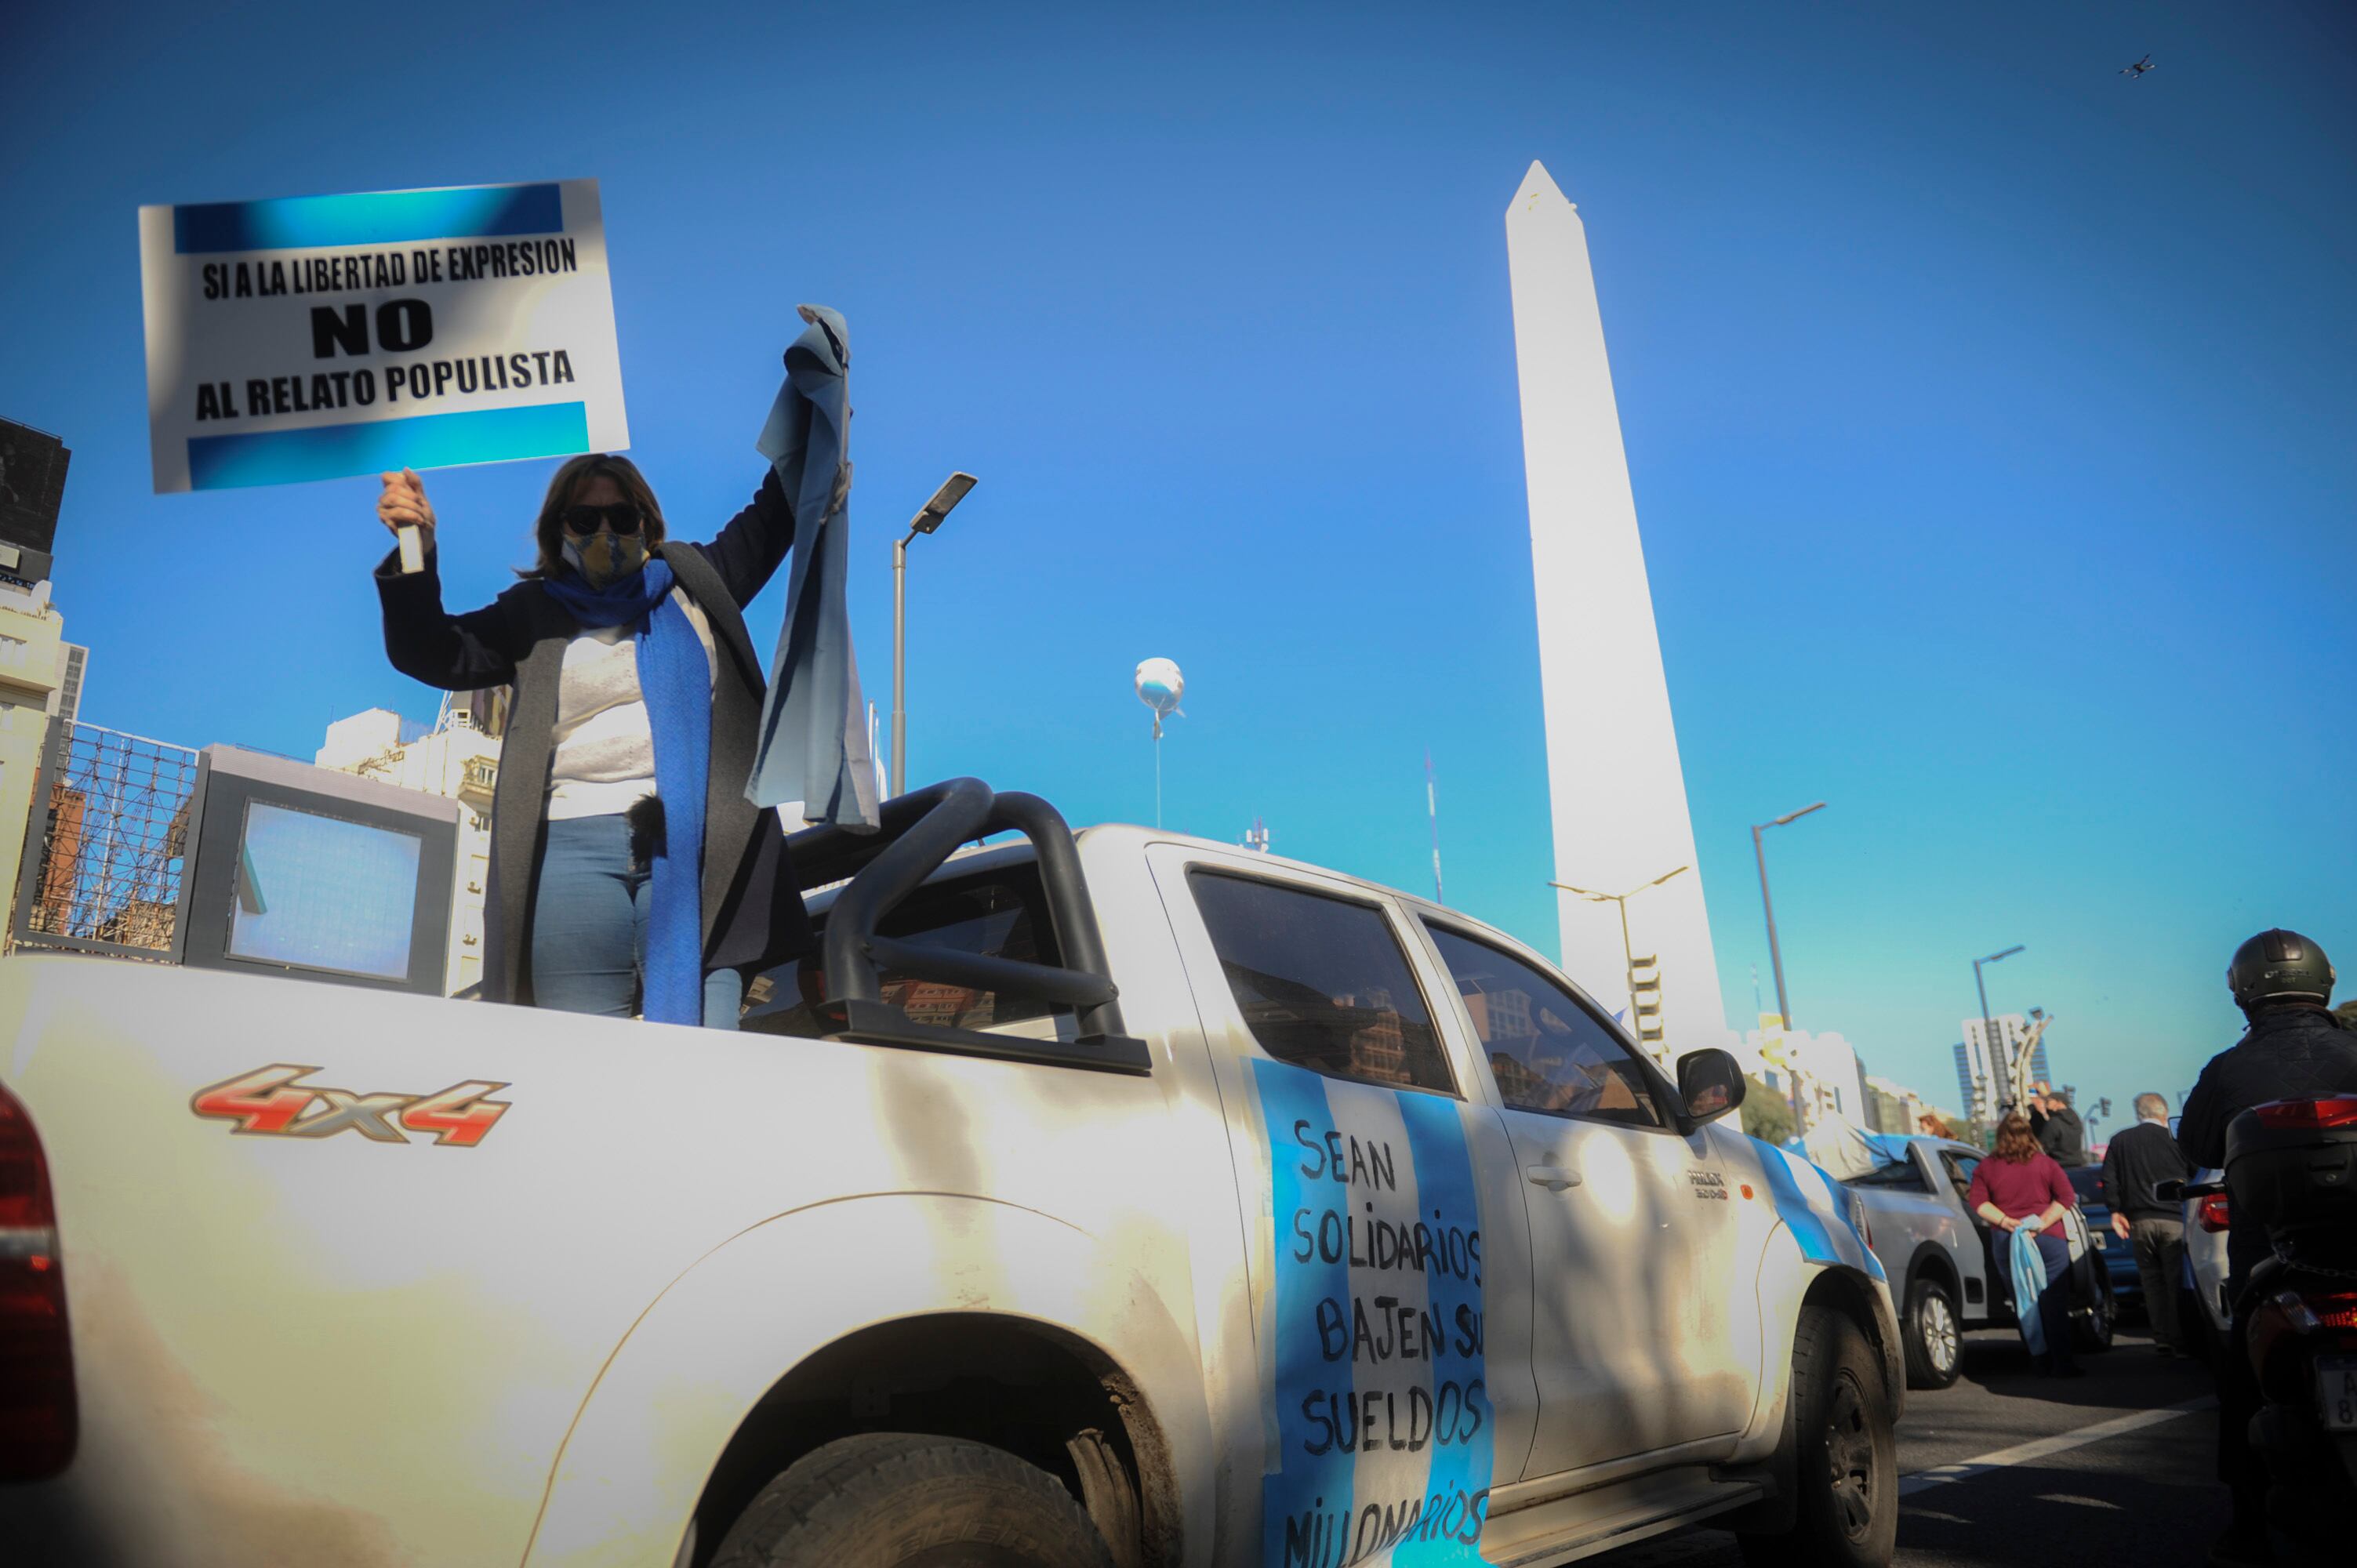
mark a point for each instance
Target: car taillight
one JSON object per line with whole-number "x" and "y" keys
{"x": 2306, "y": 1115}
{"x": 2212, "y": 1212}
{"x": 37, "y": 1416}
{"x": 2288, "y": 1313}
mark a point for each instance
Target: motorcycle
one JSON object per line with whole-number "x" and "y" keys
{"x": 2292, "y": 1166}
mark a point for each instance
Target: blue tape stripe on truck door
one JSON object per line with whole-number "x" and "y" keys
{"x": 1457, "y": 1490}
{"x": 369, "y": 218}
{"x": 425, "y": 441}
{"x": 1306, "y": 1494}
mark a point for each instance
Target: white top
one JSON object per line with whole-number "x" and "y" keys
{"x": 605, "y": 756}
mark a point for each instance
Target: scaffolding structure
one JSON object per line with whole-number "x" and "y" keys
{"x": 114, "y": 844}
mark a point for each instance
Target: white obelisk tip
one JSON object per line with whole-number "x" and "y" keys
{"x": 1538, "y": 187}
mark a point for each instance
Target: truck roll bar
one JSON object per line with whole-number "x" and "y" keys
{"x": 920, "y": 832}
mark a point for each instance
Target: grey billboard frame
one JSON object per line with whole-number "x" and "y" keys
{"x": 55, "y": 746}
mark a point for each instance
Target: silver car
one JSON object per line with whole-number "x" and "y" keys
{"x": 1936, "y": 1252}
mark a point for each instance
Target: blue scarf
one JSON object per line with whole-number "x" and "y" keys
{"x": 2029, "y": 1279}
{"x": 675, "y": 678}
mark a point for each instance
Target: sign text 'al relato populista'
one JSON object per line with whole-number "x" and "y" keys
{"x": 316, "y": 336}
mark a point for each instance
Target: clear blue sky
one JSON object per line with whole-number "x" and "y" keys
{"x": 1989, "y": 414}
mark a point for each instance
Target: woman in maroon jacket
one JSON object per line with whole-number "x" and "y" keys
{"x": 2020, "y": 1186}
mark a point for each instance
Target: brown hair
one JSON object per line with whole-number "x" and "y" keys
{"x": 569, "y": 481}
{"x": 2016, "y": 1142}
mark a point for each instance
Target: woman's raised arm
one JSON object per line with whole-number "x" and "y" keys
{"x": 425, "y": 641}
{"x": 747, "y": 551}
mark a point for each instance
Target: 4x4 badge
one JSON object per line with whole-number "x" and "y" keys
{"x": 268, "y": 1101}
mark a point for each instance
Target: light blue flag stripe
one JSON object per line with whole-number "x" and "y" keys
{"x": 1305, "y": 1497}
{"x": 369, "y": 218}
{"x": 424, "y": 440}
{"x": 1458, "y": 1486}
{"x": 1807, "y": 1226}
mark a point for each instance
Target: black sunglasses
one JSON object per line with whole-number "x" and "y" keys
{"x": 621, "y": 518}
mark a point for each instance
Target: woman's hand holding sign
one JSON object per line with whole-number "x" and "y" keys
{"x": 403, "y": 508}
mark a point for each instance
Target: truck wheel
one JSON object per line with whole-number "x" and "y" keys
{"x": 898, "y": 1499}
{"x": 1844, "y": 1458}
{"x": 1936, "y": 1345}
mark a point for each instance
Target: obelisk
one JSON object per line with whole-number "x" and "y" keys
{"x": 1617, "y": 792}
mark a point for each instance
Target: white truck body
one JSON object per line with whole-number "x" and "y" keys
{"x": 324, "y": 1317}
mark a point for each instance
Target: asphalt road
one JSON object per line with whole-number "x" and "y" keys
{"x": 2142, "y": 1498}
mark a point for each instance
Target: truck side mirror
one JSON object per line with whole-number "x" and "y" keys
{"x": 1710, "y": 1084}
{"x": 2169, "y": 1190}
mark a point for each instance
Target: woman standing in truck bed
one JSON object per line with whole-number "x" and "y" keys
{"x": 627, "y": 865}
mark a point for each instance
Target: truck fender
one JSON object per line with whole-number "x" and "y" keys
{"x": 626, "y": 1478}
{"x": 1813, "y": 1253}
{"x": 1787, "y": 1280}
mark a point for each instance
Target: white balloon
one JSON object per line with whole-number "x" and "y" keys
{"x": 1159, "y": 687}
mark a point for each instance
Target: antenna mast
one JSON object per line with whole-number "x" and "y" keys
{"x": 1432, "y": 811}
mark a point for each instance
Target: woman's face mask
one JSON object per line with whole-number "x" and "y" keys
{"x": 604, "y": 558}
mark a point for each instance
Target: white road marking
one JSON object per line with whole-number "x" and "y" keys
{"x": 2024, "y": 1452}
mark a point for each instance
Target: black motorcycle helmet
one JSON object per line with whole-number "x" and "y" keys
{"x": 2279, "y": 966}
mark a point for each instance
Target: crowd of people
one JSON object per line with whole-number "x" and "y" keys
{"x": 2296, "y": 1048}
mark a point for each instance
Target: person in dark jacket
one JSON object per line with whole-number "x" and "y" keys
{"x": 2135, "y": 1163}
{"x": 2060, "y": 1132}
{"x": 629, "y": 873}
{"x": 2296, "y": 1049}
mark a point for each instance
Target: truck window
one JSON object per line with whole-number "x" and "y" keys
{"x": 1001, "y": 913}
{"x": 1322, "y": 982}
{"x": 1960, "y": 1170}
{"x": 1547, "y": 1052}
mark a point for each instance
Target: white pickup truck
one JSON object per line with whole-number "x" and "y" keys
{"x": 1348, "y": 1233}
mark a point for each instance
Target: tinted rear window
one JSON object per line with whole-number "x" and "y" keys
{"x": 998, "y": 914}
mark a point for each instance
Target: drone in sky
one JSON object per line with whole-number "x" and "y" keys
{"x": 2133, "y": 71}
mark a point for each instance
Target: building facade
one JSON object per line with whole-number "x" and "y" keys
{"x": 456, "y": 759}
{"x": 40, "y": 680}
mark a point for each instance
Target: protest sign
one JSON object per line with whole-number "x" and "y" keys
{"x": 313, "y": 337}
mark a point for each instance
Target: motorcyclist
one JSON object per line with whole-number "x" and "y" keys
{"x": 2296, "y": 1049}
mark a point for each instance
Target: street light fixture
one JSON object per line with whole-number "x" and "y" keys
{"x": 1989, "y": 1025}
{"x": 1628, "y": 953}
{"x": 1775, "y": 956}
{"x": 929, "y": 518}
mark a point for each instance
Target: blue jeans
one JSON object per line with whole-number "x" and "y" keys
{"x": 2054, "y": 1301}
{"x": 589, "y": 927}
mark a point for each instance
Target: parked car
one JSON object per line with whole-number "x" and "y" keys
{"x": 1935, "y": 1252}
{"x": 2119, "y": 1258}
{"x": 2205, "y": 1250}
{"x": 1110, "y": 1200}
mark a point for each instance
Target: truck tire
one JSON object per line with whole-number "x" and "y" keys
{"x": 884, "y": 1500}
{"x": 1844, "y": 1458}
{"x": 1933, "y": 1338}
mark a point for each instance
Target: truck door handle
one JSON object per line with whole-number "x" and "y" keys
{"x": 1555, "y": 1178}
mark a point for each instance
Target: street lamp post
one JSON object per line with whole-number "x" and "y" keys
{"x": 1628, "y": 953}
{"x": 1775, "y": 957}
{"x": 1989, "y": 1025}
{"x": 927, "y": 518}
